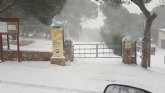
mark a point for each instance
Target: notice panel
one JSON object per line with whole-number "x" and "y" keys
{"x": 12, "y": 27}
{"x": 3, "y": 27}
{"x": 57, "y": 41}
{"x": 9, "y": 26}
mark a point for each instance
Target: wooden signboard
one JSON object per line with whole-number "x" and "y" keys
{"x": 9, "y": 26}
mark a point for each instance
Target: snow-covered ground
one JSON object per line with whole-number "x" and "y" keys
{"x": 81, "y": 76}
{"x": 38, "y": 45}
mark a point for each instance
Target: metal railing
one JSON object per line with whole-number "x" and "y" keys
{"x": 94, "y": 51}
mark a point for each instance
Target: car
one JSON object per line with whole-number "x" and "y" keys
{"x": 119, "y": 88}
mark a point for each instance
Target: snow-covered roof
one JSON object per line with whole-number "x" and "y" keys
{"x": 162, "y": 30}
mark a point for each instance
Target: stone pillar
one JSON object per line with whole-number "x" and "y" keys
{"x": 127, "y": 51}
{"x": 68, "y": 50}
{"x": 58, "y": 60}
{"x": 58, "y": 46}
{"x": 127, "y": 56}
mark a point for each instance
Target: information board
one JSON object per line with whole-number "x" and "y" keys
{"x": 3, "y": 27}
{"x": 57, "y": 40}
{"x": 128, "y": 44}
{"x": 9, "y": 26}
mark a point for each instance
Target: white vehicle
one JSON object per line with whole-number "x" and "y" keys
{"x": 118, "y": 88}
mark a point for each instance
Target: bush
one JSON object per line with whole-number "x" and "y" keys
{"x": 113, "y": 41}
{"x": 117, "y": 44}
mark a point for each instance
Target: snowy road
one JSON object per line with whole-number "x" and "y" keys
{"x": 81, "y": 76}
{"x": 8, "y": 86}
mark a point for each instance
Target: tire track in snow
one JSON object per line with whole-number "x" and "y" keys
{"x": 47, "y": 87}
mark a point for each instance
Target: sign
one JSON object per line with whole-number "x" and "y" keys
{"x": 128, "y": 44}
{"x": 9, "y": 26}
{"x": 57, "y": 41}
{"x": 3, "y": 27}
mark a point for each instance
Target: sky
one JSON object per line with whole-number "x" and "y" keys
{"x": 132, "y": 8}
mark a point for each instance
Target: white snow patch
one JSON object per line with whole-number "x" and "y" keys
{"x": 81, "y": 76}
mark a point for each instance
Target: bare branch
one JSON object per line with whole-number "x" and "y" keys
{"x": 1, "y": 1}
{"x": 142, "y": 7}
{"x": 154, "y": 15}
{"x": 6, "y": 7}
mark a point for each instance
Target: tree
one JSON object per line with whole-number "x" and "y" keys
{"x": 115, "y": 24}
{"x": 5, "y": 5}
{"x": 116, "y": 27}
{"x": 33, "y": 14}
{"x": 72, "y": 14}
{"x": 146, "y": 43}
{"x": 159, "y": 22}
{"x": 147, "y": 31}
{"x": 43, "y": 10}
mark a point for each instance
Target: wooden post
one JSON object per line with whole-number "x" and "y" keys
{"x": 18, "y": 49}
{"x": 135, "y": 53}
{"x": 1, "y": 48}
{"x": 12, "y": 25}
{"x": 8, "y": 44}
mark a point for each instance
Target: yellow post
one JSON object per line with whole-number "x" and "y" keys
{"x": 57, "y": 46}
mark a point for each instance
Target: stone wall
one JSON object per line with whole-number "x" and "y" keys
{"x": 27, "y": 56}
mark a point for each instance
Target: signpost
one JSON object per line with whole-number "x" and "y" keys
{"x": 128, "y": 49}
{"x": 128, "y": 44}
{"x": 57, "y": 45}
{"x": 9, "y": 26}
{"x": 57, "y": 37}
{"x": 1, "y": 48}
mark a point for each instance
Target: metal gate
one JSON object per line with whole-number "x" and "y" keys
{"x": 95, "y": 51}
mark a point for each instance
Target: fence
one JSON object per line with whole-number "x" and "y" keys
{"x": 95, "y": 51}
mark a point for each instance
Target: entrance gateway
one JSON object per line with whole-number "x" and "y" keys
{"x": 97, "y": 51}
